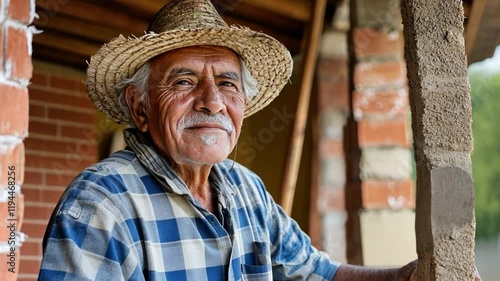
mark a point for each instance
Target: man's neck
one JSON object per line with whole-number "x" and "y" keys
{"x": 197, "y": 180}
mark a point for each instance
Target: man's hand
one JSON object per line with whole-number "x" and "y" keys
{"x": 478, "y": 278}
{"x": 408, "y": 272}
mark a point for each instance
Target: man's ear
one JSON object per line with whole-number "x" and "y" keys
{"x": 138, "y": 113}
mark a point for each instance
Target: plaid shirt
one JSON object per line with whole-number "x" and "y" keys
{"x": 131, "y": 217}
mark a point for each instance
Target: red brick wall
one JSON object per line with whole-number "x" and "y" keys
{"x": 61, "y": 143}
{"x": 378, "y": 127}
{"x": 327, "y": 221}
{"x": 380, "y": 108}
{"x": 15, "y": 72}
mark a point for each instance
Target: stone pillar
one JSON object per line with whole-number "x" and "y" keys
{"x": 379, "y": 193}
{"x": 441, "y": 119}
{"x": 15, "y": 72}
{"x": 328, "y": 207}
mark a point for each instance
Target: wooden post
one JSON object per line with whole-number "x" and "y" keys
{"x": 441, "y": 118}
{"x": 297, "y": 140}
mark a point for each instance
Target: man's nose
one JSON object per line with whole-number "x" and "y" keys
{"x": 210, "y": 99}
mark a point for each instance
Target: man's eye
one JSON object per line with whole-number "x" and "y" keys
{"x": 182, "y": 82}
{"x": 227, "y": 84}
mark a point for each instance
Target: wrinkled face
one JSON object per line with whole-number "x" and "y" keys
{"x": 196, "y": 104}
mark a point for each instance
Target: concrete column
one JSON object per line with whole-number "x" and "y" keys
{"x": 441, "y": 118}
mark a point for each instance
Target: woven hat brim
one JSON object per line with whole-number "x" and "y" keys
{"x": 268, "y": 61}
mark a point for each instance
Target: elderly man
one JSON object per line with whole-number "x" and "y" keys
{"x": 171, "y": 206}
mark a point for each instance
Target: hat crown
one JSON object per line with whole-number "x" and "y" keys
{"x": 186, "y": 14}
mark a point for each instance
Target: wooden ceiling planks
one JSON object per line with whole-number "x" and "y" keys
{"x": 78, "y": 27}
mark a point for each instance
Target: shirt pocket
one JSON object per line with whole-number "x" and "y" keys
{"x": 262, "y": 269}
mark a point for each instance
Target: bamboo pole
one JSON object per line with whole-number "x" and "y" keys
{"x": 297, "y": 140}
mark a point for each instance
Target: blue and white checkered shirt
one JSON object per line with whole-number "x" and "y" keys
{"x": 131, "y": 217}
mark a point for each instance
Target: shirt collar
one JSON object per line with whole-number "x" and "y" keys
{"x": 153, "y": 162}
{"x": 161, "y": 170}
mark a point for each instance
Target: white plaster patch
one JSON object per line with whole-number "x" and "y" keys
{"x": 385, "y": 163}
{"x": 4, "y": 194}
{"x": 208, "y": 140}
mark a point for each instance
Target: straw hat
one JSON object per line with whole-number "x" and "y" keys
{"x": 184, "y": 23}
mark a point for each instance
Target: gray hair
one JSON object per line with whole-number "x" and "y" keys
{"x": 140, "y": 80}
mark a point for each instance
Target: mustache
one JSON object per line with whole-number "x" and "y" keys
{"x": 203, "y": 118}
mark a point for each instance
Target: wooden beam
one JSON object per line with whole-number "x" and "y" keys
{"x": 92, "y": 13}
{"x": 293, "y": 43}
{"x": 295, "y": 9}
{"x": 297, "y": 140}
{"x": 79, "y": 27}
{"x": 71, "y": 45}
{"x": 473, "y": 24}
{"x": 278, "y": 22}
{"x": 57, "y": 56}
{"x": 146, "y": 8}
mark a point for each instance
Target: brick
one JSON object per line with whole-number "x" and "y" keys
{"x": 14, "y": 113}
{"x": 17, "y": 53}
{"x": 333, "y": 95}
{"x": 383, "y": 133}
{"x": 72, "y": 116}
{"x": 387, "y": 194}
{"x": 379, "y": 74}
{"x": 16, "y": 217}
{"x": 330, "y": 69}
{"x": 69, "y": 162}
{"x": 31, "y": 194}
{"x": 34, "y": 178}
{"x": 51, "y": 97}
{"x": 1, "y": 45}
{"x": 380, "y": 104}
{"x": 53, "y": 145}
{"x": 12, "y": 155}
{"x": 35, "y": 195}
{"x": 331, "y": 147}
{"x": 369, "y": 42}
{"x": 32, "y": 248}
{"x": 20, "y": 210}
{"x": 88, "y": 149}
{"x": 36, "y": 212}
{"x": 34, "y": 230}
{"x": 331, "y": 199}
{"x": 29, "y": 266}
{"x": 20, "y": 10}
{"x": 37, "y": 110}
{"x": 43, "y": 128}
{"x": 65, "y": 83}
{"x": 4, "y": 231}
{"x": 78, "y": 132}
{"x": 58, "y": 179}
{"x": 6, "y": 275}
{"x": 39, "y": 79}
{"x": 52, "y": 196}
